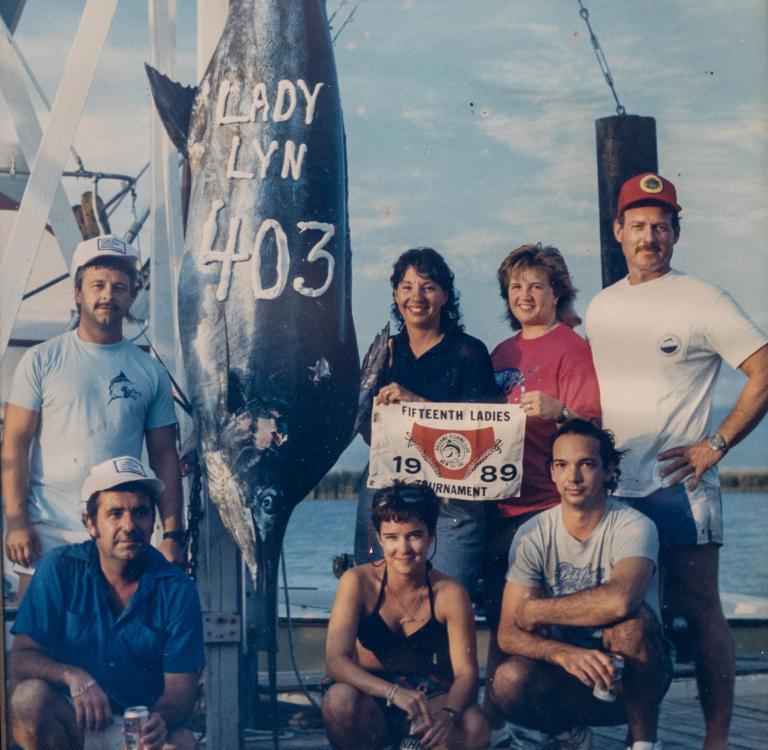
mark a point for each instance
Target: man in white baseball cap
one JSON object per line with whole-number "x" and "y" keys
{"x": 80, "y": 398}
{"x": 114, "y": 472}
{"x": 107, "y": 624}
{"x": 97, "y": 249}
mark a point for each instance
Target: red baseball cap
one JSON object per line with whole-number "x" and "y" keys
{"x": 647, "y": 187}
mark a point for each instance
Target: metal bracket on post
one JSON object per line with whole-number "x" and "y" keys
{"x": 221, "y": 627}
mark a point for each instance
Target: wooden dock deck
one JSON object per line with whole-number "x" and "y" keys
{"x": 681, "y": 723}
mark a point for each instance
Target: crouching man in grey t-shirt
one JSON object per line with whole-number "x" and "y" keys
{"x": 581, "y": 586}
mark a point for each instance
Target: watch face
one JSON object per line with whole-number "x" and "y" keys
{"x": 716, "y": 442}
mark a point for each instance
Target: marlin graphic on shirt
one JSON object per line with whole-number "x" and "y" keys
{"x": 122, "y": 387}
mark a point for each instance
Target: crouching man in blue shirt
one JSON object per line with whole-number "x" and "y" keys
{"x": 105, "y": 625}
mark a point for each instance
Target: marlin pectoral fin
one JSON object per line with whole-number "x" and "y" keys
{"x": 174, "y": 105}
{"x": 372, "y": 373}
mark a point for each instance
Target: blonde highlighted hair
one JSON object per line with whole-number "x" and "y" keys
{"x": 549, "y": 259}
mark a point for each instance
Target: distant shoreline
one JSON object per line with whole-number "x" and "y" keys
{"x": 346, "y": 485}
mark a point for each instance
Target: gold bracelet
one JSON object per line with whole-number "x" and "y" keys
{"x": 83, "y": 689}
{"x": 391, "y": 693}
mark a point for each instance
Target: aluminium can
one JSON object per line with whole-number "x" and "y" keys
{"x": 134, "y": 720}
{"x": 609, "y": 696}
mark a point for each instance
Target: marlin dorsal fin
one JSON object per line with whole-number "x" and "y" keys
{"x": 174, "y": 105}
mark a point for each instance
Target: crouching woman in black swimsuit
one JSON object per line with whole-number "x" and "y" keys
{"x": 401, "y": 640}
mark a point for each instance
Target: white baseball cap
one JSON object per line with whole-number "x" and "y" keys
{"x": 108, "y": 245}
{"x": 117, "y": 471}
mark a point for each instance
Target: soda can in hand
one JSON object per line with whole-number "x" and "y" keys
{"x": 134, "y": 720}
{"x": 609, "y": 696}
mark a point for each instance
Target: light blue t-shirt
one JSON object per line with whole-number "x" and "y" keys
{"x": 95, "y": 402}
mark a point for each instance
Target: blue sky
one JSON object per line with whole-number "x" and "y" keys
{"x": 471, "y": 129}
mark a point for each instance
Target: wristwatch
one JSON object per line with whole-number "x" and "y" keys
{"x": 180, "y": 537}
{"x": 564, "y": 415}
{"x": 453, "y": 713}
{"x": 717, "y": 443}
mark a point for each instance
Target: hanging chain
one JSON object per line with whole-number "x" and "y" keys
{"x": 194, "y": 514}
{"x": 601, "y": 60}
{"x": 347, "y": 20}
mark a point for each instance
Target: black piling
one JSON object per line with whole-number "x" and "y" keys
{"x": 626, "y": 146}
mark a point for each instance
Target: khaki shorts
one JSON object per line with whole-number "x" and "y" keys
{"x": 50, "y": 537}
{"x": 110, "y": 738}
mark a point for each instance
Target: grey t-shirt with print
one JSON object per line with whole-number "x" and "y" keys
{"x": 545, "y": 556}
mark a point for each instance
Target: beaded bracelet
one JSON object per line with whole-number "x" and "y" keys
{"x": 391, "y": 693}
{"x": 83, "y": 689}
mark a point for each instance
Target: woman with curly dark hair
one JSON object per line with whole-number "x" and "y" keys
{"x": 432, "y": 359}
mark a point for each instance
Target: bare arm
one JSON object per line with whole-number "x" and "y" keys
{"x": 340, "y": 648}
{"x": 539, "y": 404}
{"x": 453, "y": 600}
{"x": 20, "y": 426}
{"x": 164, "y": 460}
{"x": 29, "y": 661}
{"x": 462, "y": 643}
{"x": 592, "y": 607}
{"x": 751, "y": 406}
{"x": 590, "y": 666}
{"x": 178, "y": 698}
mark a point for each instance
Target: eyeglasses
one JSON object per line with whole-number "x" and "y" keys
{"x": 407, "y": 495}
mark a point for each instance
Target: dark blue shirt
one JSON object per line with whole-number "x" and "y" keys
{"x": 458, "y": 368}
{"x": 66, "y": 611}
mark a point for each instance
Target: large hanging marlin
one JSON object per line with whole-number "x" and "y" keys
{"x": 264, "y": 290}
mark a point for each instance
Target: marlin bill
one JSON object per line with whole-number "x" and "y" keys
{"x": 265, "y": 284}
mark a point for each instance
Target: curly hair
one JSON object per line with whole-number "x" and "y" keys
{"x": 429, "y": 263}
{"x": 403, "y": 501}
{"x": 610, "y": 455}
{"x": 550, "y": 260}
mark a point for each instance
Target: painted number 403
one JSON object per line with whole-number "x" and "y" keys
{"x": 231, "y": 255}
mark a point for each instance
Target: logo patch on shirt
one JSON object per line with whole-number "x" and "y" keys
{"x": 669, "y": 345}
{"x": 569, "y": 578}
{"x": 122, "y": 387}
{"x": 508, "y": 378}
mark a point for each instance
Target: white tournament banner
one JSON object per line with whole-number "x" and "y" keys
{"x": 464, "y": 451}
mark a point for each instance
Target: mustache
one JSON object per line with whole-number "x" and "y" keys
{"x": 648, "y": 246}
{"x": 134, "y": 536}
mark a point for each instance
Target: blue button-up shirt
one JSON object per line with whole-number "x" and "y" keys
{"x": 66, "y": 611}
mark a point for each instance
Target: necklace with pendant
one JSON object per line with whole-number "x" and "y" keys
{"x": 408, "y": 615}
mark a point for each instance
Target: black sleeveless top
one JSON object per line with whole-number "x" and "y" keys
{"x": 423, "y": 652}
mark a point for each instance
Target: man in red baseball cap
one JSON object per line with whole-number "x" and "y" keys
{"x": 658, "y": 339}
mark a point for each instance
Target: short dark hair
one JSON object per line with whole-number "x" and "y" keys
{"x": 549, "y": 259}
{"x": 429, "y": 263}
{"x": 674, "y": 215}
{"x": 610, "y": 455}
{"x": 403, "y": 501}
{"x": 137, "y": 487}
{"x": 110, "y": 261}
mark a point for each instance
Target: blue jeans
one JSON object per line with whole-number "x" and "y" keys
{"x": 460, "y": 537}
